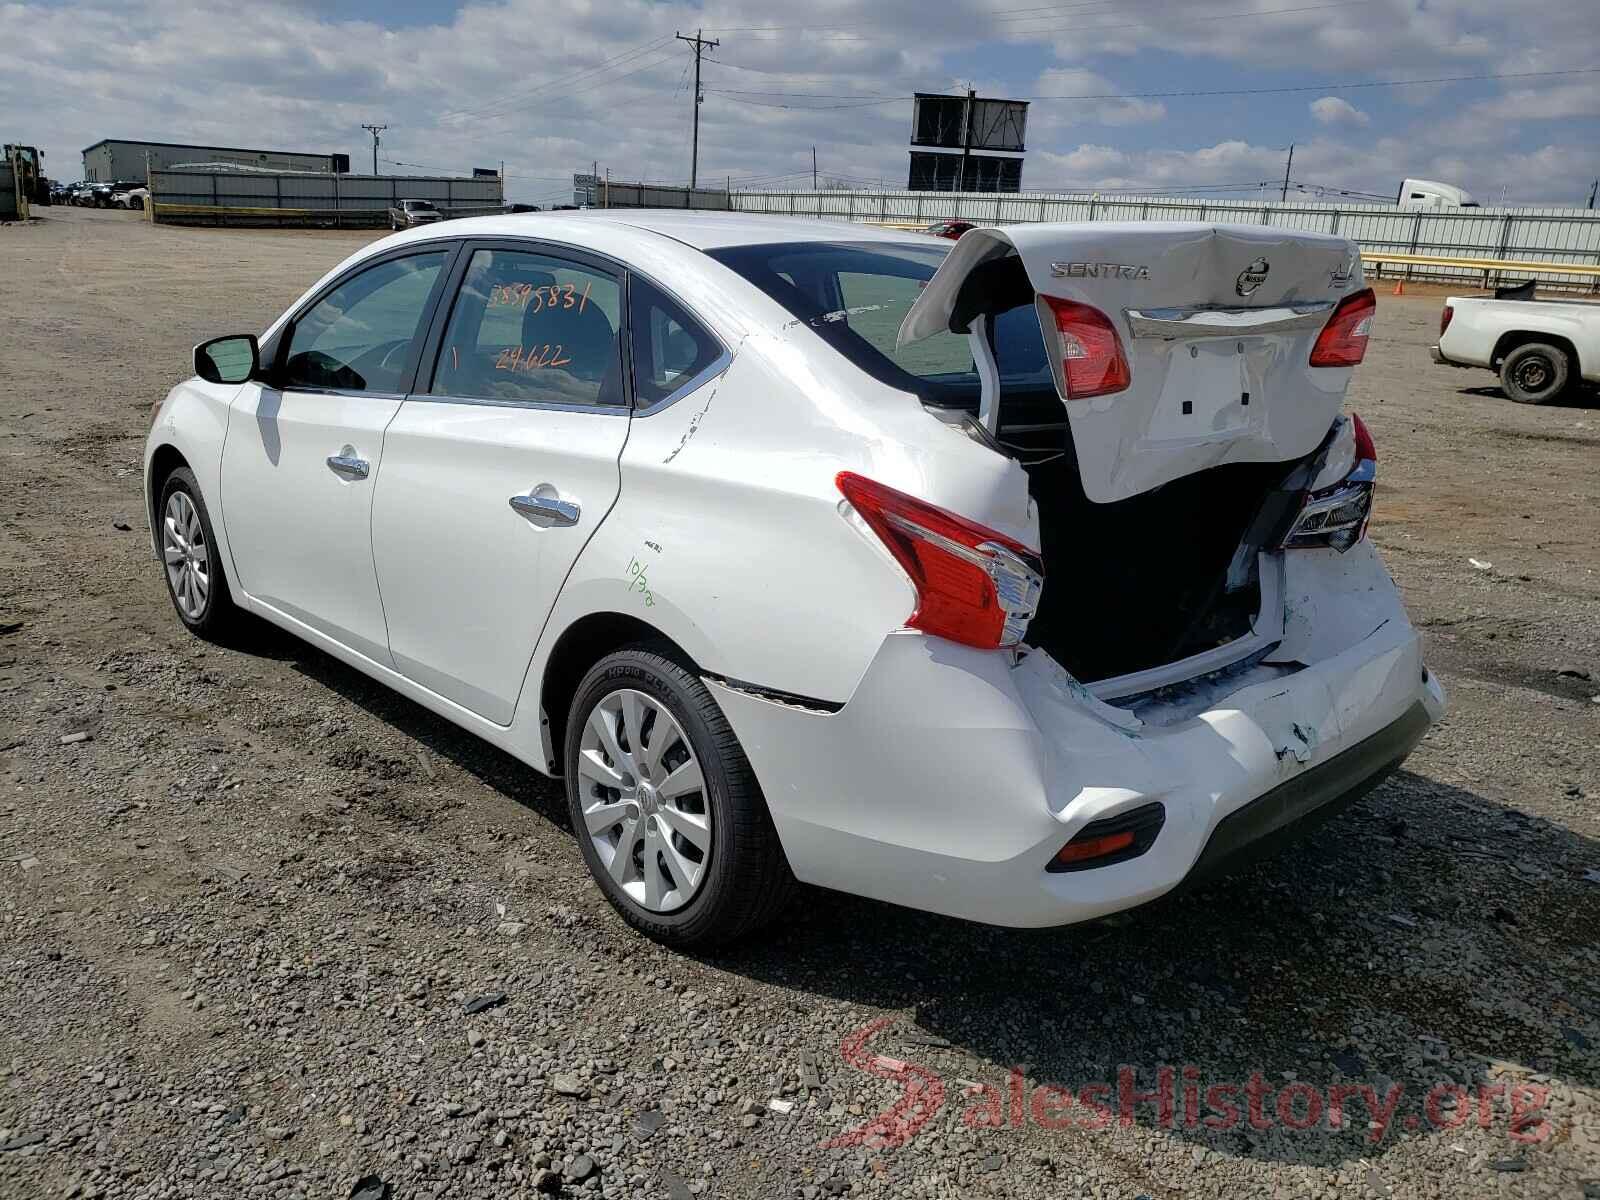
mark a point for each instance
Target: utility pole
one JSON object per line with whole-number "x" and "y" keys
{"x": 814, "y": 174}
{"x": 1286, "y": 167}
{"x": 699, "y": 43}
{"x": 374, "y": 130}
{"x": 966, "y": 140}
{"x": 1593, "y": 188}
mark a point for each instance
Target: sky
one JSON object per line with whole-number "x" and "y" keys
{"x": 550, "y": 88}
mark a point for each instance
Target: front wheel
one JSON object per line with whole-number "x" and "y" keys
{"x": 667, "y": 811}
{"x": 195, "y": 581}
{"x": 1535, "y": 372}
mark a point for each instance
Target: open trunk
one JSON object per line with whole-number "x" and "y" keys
{"x": 1174, "y": 442}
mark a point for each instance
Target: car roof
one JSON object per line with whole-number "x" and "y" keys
{"x": 701, "y": 230}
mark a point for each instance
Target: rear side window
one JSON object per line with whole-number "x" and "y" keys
{"x": 360, "y": 336}
{"x": 531, "y": 328}
{"x": 669, "y": 346}
{"x": 855, "y": 296}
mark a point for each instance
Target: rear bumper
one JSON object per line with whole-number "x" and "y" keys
{"x": 952, "y": 778}
{"x": 1299, "y": 805}
{"x": 1435, "y": 353}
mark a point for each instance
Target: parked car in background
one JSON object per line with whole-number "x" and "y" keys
{"x": 949, "y": 229}
{"x": 408, "y": 214}
{"x": 132, "y": 197}
{"x": 1023, "y": 578}
{"x": 1539, "y": 348}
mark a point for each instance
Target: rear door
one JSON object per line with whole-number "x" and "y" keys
{"x": 1215, "y": 323}
{"x": 500, "y": 467}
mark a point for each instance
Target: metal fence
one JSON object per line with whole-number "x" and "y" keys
{"x": 1553, "y": 235}
{"x": 341, "y": 199}
{"x": 604, "y": 193}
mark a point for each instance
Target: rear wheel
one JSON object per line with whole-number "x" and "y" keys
{"x": 1535, "y": 372}
{"x": 666, "y": 808}
{"x": 192, "y": 566}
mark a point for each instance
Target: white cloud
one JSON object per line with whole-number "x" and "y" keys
{"x": 1333, "y": 110}
{"x": 552, "y": 85}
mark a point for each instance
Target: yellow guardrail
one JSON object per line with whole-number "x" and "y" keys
{"x": 1379, "y": 257}
{"x": 355, "y": 217}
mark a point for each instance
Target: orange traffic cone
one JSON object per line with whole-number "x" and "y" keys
{"x": 1400, "y": 288}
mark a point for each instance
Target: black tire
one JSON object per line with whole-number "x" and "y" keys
{"x": 748, "y": 881}
{"x": 1535, "y": 373}
{"x": 219, "y": 618}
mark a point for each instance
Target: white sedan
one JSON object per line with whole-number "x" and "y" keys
{"x": 741, "y": 526}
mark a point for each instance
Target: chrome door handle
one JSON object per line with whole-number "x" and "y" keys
{"x": 546, "y": 510}
{"x": 347, "y": 464}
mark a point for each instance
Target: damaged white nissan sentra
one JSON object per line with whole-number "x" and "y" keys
{"x": 1023, "y": 580}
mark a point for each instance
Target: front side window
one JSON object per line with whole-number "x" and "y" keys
{"x": 531, "y": 328}
{"x": 360, "y": 336}
{"x": 669, "y": 346}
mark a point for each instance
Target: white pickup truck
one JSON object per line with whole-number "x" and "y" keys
{"x": 1539, "y": 347}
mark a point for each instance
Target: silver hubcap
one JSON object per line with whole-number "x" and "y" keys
{"x": 644, "y": 801}
{"x": 183, "y": 545}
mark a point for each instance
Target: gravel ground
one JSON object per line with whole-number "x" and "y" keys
{"x": 267, "y": 929}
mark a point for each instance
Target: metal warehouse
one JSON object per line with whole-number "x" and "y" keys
{"x": 112, "y": 161}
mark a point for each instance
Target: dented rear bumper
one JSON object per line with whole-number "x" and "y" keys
{"x": 952, "y": 777}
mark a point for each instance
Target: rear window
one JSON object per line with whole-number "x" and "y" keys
{"x": 856, "y": 294}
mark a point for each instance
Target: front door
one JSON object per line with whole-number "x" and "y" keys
{"x": 302, "y": 452}
{"x": 500, "y": 468}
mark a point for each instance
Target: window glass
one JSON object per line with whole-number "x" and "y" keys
{"x": 669, "y": 346}
{"x": 529, "y": 327}
{"x": 855, "y": 296}
{"x": 359, "y": 337}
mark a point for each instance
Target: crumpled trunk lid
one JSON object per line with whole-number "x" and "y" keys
{"x": 1217, "y": 323}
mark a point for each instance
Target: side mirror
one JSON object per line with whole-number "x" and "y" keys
{"x": 232, "y": 359}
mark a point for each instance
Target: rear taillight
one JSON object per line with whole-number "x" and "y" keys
{"x": 1338, "y": 516}
{"x": 1444, "y": 318}
{"x": 1092, "y": 361}
{"x": 1343, "y": 340}
{"x": 974, "y": 586}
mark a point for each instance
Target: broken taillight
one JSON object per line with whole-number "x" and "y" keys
{"x": 1092, "y": 361}
{"x": 1338, "y": 516}
{"x": 974, "y": 585}
{"x": 1343, "y": 340}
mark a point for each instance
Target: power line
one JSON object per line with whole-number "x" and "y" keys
{"x": 860, "y": 102}
{"x": 500, "y": 104}
{"x": 833, "y": 31}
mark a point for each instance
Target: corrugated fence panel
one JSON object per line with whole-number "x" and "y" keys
{"x": 367, "y": 196}
{"x": 1553, "y": 235}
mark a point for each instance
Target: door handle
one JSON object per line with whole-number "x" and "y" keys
{"x": 546, "y": 510}
{"x": 349, "y": 464}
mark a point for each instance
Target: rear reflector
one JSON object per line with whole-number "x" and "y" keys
{"x": 1343, "y": 340}
{"x": 974, "y": 586}
{"x": 1092, "y": 360}
{"x": 1111, "y": 839}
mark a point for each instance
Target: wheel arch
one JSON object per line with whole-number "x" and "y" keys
{"x": 164, "y": 460}
{"x": 1512, "y": 339}
{"x": 582, "y": 644}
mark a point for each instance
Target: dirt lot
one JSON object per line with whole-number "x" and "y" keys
{"x": 241, "y": 920}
